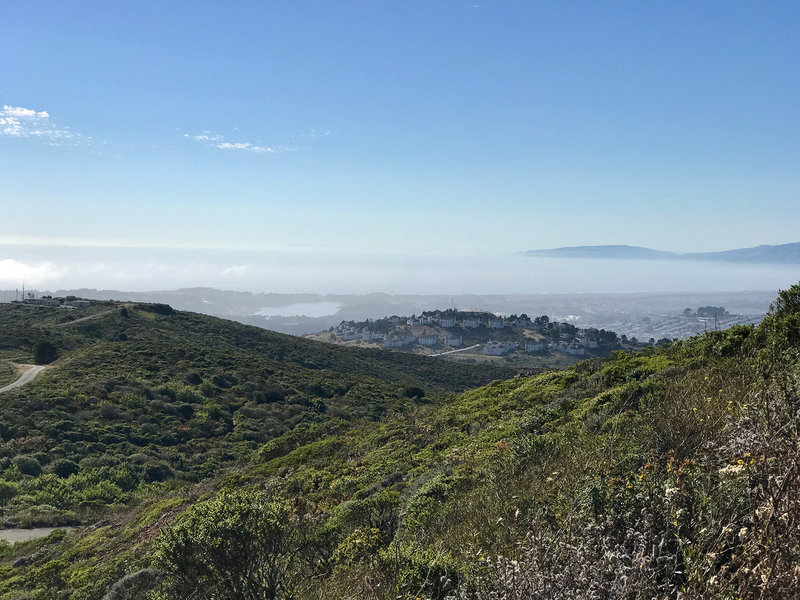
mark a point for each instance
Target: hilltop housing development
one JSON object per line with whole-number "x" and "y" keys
{"x": 490, "y": 334}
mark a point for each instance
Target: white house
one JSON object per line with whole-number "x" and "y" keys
{"x": 394, "y": 342}
{"x": 428, "y": 340}
{"x": 587, "y": 343}
{"x": 498, "y": 348}
{"x": 472, "y": 322}
{"x": 447, "y": 322}
{"x": 79, "y": 303}
{"x": 455, "y": 342}
{"x": 533, "y": 346}
{"x": 496, "y": 323}
{"x": 574, "y": 349}
{"x": 42, "y": 301}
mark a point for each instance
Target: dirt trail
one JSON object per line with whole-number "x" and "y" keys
{"x": 30, "y": 373}
{"x": 95, "y": 316}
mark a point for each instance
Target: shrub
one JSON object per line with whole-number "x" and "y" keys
{"x": 239, "y": 545}
{"x": 157, "y": 472}
{"x": 8, "y": 490}
{"x": 134, "y": 585}
{"x": 27, "y": 465}
{"x": 44, "y": 353}
{"x": 64, "y": 467}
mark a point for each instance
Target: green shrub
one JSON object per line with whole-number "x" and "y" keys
{"x": 8, "y": 490}
{"x": 27, "y": 465}
{"x": 63, "y": 467}
{"x": 44, "y": 353}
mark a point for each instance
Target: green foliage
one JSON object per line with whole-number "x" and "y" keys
{"x": 242, "y": 545}
{"x": 662, "y": 473}
{"x": 27, "y": 465}
{"x": 44, "y": 353}
{"x": 63, "y": 467}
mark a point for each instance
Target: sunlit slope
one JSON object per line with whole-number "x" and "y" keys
{"x": 670, "y": 471}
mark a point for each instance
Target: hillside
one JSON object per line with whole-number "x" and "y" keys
{"x": 788, "y": 254}
{"x": 480, "y": 337}
{"x": 670, "y": 472}
{"x": 141, "y": 394}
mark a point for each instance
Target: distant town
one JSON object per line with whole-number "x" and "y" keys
{"x": 460, "y": 334}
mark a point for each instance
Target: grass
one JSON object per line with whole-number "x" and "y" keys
{"x": 8, "y": 373}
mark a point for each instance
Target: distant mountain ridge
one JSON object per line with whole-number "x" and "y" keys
{"x": 786, "y": 254}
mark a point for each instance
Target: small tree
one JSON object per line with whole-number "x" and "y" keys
{"x": 241, "y": 545}
{"x": 45, "y": 353}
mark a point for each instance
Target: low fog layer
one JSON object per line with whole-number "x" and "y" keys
{"x": 332, "y": 272}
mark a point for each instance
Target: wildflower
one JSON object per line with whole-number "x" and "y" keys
{"x": 742, "y": 534}
{"x": 731, "y": 470}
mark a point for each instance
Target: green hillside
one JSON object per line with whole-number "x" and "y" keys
{"x": 142, "y": 394}
{"x": 671, "y": 472}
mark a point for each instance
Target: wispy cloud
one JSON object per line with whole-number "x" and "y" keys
{"x": 219, "y": 141}
{"x": 314, "y": 133}
{"x": 13, "y": 271}
{"x": 21, "y": 122}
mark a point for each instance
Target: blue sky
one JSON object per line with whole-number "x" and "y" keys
{"x": 400, "y": 127}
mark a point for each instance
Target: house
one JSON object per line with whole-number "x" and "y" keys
{"x": 369, "y": 336}
{"x": 80, "y": 303}
{"x": 394, "y": 342}
{"x": 42, "y": 301}
{"x": 533, "y": 346}
{"x": 472, "y": 322}
{"x": 454, "y": 342}
{"x": 498, "y": 348}
{"x": 447, "y": 322}
{"x": 587, "y": 343}
{"x": 524, "y": 323}
{"x": 573, "y": 348}
{"x": 496, "y": 323}
{"x": 428, "y": 340}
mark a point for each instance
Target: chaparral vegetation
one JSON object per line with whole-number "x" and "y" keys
{"x": 199, "y": 458}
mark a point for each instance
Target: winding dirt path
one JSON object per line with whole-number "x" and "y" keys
{"x": 30, "y": 373}
{"x": 89, "y": 318}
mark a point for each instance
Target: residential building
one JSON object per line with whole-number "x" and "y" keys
{"x": 428, "y": 340}
{"x": 498, "y": 348}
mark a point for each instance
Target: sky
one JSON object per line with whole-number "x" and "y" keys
{"x": 380, "y": 130}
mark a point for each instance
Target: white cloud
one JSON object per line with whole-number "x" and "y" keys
{"x": 236, "y": 270}
{"x": 219, "y": 141}
{"x": 13, "y": 272}
{"x": 25, "y": 113}
{"x": 207, "y": 136}
{"x": 21, "y": 122}
{"x": 247, "y": 146}
{"x": 315, "y": 134}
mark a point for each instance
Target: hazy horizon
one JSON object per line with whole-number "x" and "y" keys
{"x": 322, "y": 272}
